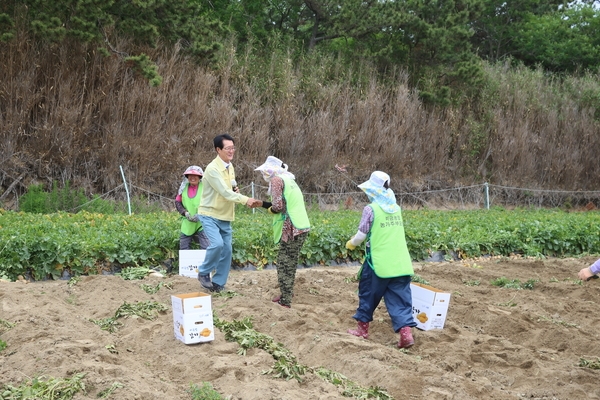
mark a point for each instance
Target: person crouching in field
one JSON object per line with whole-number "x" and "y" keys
{"x": 186, "y": 202}
{"x": 387, "y": 270}
{"x": 290, "y": 223}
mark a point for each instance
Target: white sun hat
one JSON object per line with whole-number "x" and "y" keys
{"x": 375, "y": 190}
{"x": 273, "y": 166}
{"x": 376, "y": 181}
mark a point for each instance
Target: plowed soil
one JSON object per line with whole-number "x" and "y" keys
{"x": 497, "y": 343}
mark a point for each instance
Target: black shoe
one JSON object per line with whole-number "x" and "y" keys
{"x": 217, "y": 288}
{"x": 205, "y": 281}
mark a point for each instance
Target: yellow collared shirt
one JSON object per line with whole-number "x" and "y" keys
{"x": 218, "y": 198}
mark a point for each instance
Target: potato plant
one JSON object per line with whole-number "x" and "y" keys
{"x": 45, "y": 246}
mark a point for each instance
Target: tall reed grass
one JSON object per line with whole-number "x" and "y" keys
{"x": 69, "y": 113}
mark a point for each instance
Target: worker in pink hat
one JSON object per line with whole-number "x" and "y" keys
{"x": 387, "y": 270}
{"x": 186, "y": 202}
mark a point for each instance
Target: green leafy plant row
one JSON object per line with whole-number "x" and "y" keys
{"x": 146, "y": 310}
{"x": 47, "y": 388}
{"x": 514, "y": 283}
{"x": 43, "y": 246}
{"x": 590, "y": 363}
{"x": 286, "y": 365}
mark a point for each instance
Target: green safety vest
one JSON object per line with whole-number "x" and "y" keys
{"x": 295, "y": 208}
{"x": 389, "y": 256}
{"x": 188, "y": 228}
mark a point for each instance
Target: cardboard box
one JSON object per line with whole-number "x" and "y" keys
{"x": 193, "y": 317}
{"x": 189, "y": 261}
{"x": 430, "y": 306}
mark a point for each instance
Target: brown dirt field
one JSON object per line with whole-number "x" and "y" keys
{"x": 497, "y": 343}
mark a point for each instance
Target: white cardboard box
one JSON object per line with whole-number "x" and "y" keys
{"x": 430, "y": 306}
{"x": 189, "y": 261}
{"x": 193, "y": 318}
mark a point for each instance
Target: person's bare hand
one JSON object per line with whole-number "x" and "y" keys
{"x": 257, "y": 203}
{"x": 585, "y": 274}
{"x": 253, "y": 203}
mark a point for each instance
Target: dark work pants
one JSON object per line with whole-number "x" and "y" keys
{"x": 394, "y": 291}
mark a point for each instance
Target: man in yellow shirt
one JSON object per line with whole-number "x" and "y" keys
{"x": 217, "y": 211}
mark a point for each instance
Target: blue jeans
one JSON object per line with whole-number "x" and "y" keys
{"x": 394, "y": 291}
{"x": 218, "y": 252}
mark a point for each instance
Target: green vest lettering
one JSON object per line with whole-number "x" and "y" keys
{"x": 389, "y": 254}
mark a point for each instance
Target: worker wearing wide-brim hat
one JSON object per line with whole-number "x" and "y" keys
{"x": 387, "y": 270}
{"x": 186, "y": 202}
{"x": 290, "y": 223}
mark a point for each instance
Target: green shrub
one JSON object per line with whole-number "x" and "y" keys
{"x": 34, "y": 201}
{"x": 40, "y": 202}
{"x": 65, "y": 199}
{"x": 37, "y": 201}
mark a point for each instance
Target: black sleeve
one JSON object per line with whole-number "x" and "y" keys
{"x": 180, "y": 208}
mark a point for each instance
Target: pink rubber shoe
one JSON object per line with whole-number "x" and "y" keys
{"x": 361, "y": 331}
{"x": 406, "y": 338}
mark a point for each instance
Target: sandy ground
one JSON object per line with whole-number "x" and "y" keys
{"x": 497, "y": 343}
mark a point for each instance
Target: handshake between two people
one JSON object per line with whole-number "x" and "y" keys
{"x": 255, "y": 203}
{"x": 252, "y": 203}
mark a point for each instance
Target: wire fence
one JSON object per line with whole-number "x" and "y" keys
{"x": 481, "y": 196}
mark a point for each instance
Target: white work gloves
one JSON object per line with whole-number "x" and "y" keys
{"x": 191, "y": 218}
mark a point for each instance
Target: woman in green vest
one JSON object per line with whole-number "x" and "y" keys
{"x": 290, "y": 223}
{"x": 387, "y": 270}
{"x": 186, "y": 203}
